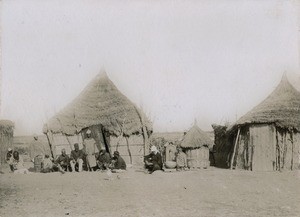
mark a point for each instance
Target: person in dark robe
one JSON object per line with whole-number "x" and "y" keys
{"x": 153, "y": 161}
{"x": 118, "y": 162}
{"x": 76, "y": 158}
{"x": 62, "y": 162}
{"x": 103, "y": 160}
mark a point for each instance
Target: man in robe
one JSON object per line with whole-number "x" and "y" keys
{"x": 76, "y": 158}
{"x": 153, "y": 161}
{"x": 62, "y": 162}
{"x": 90, "y": 147}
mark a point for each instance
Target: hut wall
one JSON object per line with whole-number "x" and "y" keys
{"x": 287, "y": 150}
{"x": 296, "y": 151}
{"x": 136, "y": 147}
{"x": 267, "y": 148}
{"x": 222, "y": 147}
{"x": 242, "y": 153}
{"x": 198, "y": 158}
{"x": 263, "y": 141}
{"x": 60, "y": 141}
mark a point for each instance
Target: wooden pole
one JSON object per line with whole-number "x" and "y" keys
{"x": 50, "y": 145}
{"x": 234, "y": 149}
{"x": 128, "y": 149}
{"x": 145, "y": 134}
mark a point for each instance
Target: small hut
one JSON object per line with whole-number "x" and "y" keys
{"x": 196, "y": 144}
{"x": 6, "y": 138}
{"x": 268, "y": 137}
{"x": 115, "y": 122}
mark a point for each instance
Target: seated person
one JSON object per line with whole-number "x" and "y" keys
{"x": 76, "y": 158}
{"x": 118, "y": 162}
{"x": 47, "y": 165}
{"x": 153, "y": 161}
{"x": 62, "y": 162}
{"x": 18, "y": 164}
{"x": 9, "y": 159}
{"x": 181, "y": 160}
{"x": 103, "y": 160}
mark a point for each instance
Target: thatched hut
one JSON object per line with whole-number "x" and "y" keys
{"x": 116, "y": 123}
{"x": 196, "y": 144}
{"x": 268, "y": 137}
{"x": 6, "y": 138}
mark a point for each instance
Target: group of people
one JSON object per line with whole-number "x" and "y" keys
{"x": 91, "y": 159}
{"x": 79, "y": 158}
{"x": 15, "y": 162}
{"x": 154, "y": 162}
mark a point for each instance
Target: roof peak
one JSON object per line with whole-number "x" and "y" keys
{"x": 102, "y": 73}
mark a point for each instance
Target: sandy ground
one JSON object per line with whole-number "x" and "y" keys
{"x": 211, "y": 192}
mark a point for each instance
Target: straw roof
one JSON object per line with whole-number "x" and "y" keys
{"x": 281, "y": 107}
{"x": 196, "y": 138}
{"x": 7, "y": 127}
{"x": 99, "y": 103}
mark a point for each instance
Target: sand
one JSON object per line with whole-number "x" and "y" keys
{"x": 210, "y": 192}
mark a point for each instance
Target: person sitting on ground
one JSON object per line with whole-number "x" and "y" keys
{"x": 153, "y": 161}
{"x": 9, "y": 159}
{"x": 118, "y": 162}
{"x": 47, "y": 165}
{"x": 181, "y": 160}
{"x": 76, "y": 158}
{"x": 62, "y": 162}
{"x": 18, "y": 164}
{"x": 103, "y": 160}
{"x": 90, "y": 148}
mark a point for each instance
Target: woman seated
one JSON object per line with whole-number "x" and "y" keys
{"x": 18, "y": 164}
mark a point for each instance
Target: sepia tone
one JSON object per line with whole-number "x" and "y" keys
{"x": 150, "y": 108}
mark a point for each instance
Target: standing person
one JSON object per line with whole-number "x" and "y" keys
{"x": 90, "y": 149}
{"x": 62, "y": 162}
{"x": 38, "y": 148}
{"x": 103, "y": 160}
{"x": 9, "y": 159}
{"x": 153, "y": 161}
{"x": 118, "y": 162}
{"x": 76, "y": 158}
{"x": 181, "y": 160}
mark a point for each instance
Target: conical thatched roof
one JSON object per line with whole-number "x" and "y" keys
{"x": 281, "y": 107}
{"x": 99, "y": 103}
{"x": 196, "y": 138}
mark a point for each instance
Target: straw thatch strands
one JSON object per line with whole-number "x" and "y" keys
{"x": 6, "y": 138}
{"x": 269, "y": 137}
{"x": 197, "y": 144}
{"x": 103, "y": 109}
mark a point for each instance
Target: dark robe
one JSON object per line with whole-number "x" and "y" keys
{"x": 119, "y": 163}
{"x": 103, "y": 160}
{"x": 155, "y": 160}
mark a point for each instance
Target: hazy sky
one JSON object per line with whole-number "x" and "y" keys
{"x": 180, "y": 60}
